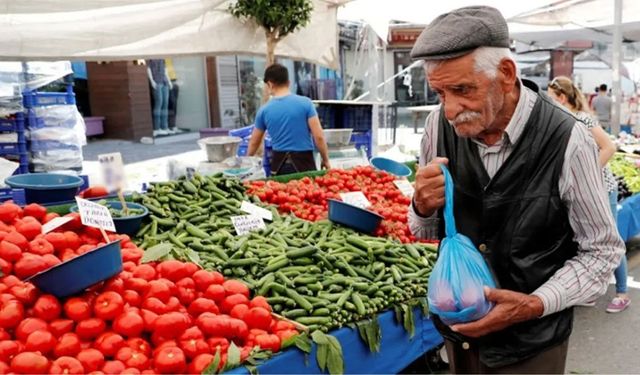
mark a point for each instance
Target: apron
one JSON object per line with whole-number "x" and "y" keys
{"x": 288, "y": 162}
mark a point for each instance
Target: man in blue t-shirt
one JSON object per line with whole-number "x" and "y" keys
{"x": 292, "y": 123}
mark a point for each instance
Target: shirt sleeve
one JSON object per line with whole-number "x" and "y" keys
{"x": 420, "y": 226}
{"x": 584, "y": 277}
{"x": 260, "y": 123}
{"x": 311, "y": 109}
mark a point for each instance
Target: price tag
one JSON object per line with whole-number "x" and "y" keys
{"x": 246, "y": 223}
{"x": 95, "y": 215}
{"x": 355, "y": 198}
{"x": 405, "y": 187}
{"x": 112, "y": 171}
{"x": 252, "y": 209}
{"x": 55, "y": 223}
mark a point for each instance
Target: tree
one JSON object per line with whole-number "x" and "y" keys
{"x": 278, "y": 18}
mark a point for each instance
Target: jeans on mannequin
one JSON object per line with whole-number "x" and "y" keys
{"x": 161, "y": 107}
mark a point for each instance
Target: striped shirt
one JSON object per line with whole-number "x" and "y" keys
{"x": 584, "y": 277}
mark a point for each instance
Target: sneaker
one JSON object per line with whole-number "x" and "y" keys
{"x": 587, "y": 304}
{"x": 156, "y": 133}
{"x": 618, "y": 305}
{"x": 163, "y": 132}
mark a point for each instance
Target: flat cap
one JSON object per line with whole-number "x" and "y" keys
{"x": 461, "y": 31}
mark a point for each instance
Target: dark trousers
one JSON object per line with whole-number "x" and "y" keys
{"x": 465, "y": 359}
{"x": 288, "y": 162}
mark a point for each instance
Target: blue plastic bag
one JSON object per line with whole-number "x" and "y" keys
{"x": 456, "y": 284}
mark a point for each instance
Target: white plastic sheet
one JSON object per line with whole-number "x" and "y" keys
{"x": 131, "y": 29}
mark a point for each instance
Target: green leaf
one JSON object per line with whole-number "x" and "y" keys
{"x": 335, "y": 360}
{"x": 425, "y": 306}
{"x": 192, "y": 256}
{"x": 253, "y": 370}
{"x": 303, "y": 342}
{"x": 322, "y": 355}
{"x": 213, "y": 367}
{"x": 319, "y": 337}
{"x": 289, "y": 342}
{"x": 409, "y": 323}
{"x": 156, "y": 252}
{"x": 233, "y": 355}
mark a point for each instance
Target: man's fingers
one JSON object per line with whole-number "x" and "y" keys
{"x": 444, "y": 161}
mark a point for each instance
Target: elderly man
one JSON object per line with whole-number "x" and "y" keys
{"x": 528, "y": 193}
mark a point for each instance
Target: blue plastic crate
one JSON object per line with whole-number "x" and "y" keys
{"x": 34, "y": 99}
{"x": 242, "y": 132}
{"x": 327, "y": 115}
{"x": 357, "y": 117}
{"x": 50, "y": 145}
{"x": 626, "y": 128}
{"x": 16, "y": 195}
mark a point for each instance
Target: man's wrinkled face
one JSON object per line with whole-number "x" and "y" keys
{"x": 470, "y": 99}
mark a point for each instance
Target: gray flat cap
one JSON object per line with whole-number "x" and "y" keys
{"x": 459, "y": 32}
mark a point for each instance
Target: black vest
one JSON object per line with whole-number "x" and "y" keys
{"x": 519, "y": 221}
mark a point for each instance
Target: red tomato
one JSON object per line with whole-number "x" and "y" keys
{"x": 91, "y": 359}
{"x": 47, "y": 308}
{"x": 66, "y": 365}
{"x": 113, "y": 367}
{"x": 236, "y": 287}
{"x": 132, "y": 358}
{"x": 172, "y": 270}
{"x": 91, "y": 328}
{"x": 30, "y": 363}
{"x": 25, "y": 293}
{"x": 215, "y": 293}
{"x": 201, "y": 305}
{"x": 260, "y": 301}
{"x": 149, "y": 318}
{"x": 129, "y": 324}
{"x": 10, "y": 251}
{"x": 68, "y": 345}
{"x": 40, "y": 341}
{"x": 145, "y": 271}
{"x": 60, "y": 326}
{"x": 170, "y": 360}
{"x": 203, "y": 279}
{"x": 77, "y": 309}
{"x": 109, "y": 343}
{"x": 232, "y": 300}
{"x": 140, "y": 345}
{"x": 200, "y": 363}
{"x": 9, "y": 349}
{"x": 171, "y": 324}
{"x": 258, "y": 317}
{"x": 132, "y": 298}
{"x": 40, "y": 246}
{"x": 108, "y": 305}
{"x": 159, "y": 290}
{"x": 28, "y": 326}
{"x": 239, "y": 311}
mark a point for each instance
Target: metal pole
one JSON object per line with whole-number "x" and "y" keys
{"x": 617, "y": 63}
{"x": 408, "y": 68}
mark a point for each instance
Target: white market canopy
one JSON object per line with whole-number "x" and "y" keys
{"x": 543, "y": 23}
{"x": 132, "y": 29}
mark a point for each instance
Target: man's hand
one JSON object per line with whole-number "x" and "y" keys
{"x": 325, "y": 164}
{"x": 429, "y": 194}
{"x": 510, "y": 308}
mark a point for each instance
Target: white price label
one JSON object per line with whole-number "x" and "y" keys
{"x": 247, "y": 223}
{"x": 55, "y": 223}
{"x": 405, "y": 187}
{"x": 95, "y": 215}
{"x": 112, "y": 171}
{"x": 355, "y": 198}
{"x": 252, "y": 209}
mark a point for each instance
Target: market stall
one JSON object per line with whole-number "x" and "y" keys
{"x": 350, "y": 302}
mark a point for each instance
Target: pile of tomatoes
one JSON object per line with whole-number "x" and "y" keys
{"x": 307, "y": 198}
{"x": 163, "y": 317}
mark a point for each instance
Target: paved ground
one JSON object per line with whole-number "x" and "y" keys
{"x": 133, "y": 152}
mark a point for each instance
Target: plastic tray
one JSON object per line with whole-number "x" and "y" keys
{"x": 391, "y": 166}
{"x": 34, "y": 98}
{"x": 338, "y": 137}
{"x": 81, "y": 272}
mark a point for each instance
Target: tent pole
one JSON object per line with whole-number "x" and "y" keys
{"x": 617, "y": 63}
{"x": 408, "y": 68}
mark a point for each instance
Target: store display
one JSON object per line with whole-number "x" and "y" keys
{"x": 308, "y": 198}
{"x": 153, "y": 317}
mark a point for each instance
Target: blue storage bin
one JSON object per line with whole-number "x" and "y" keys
{"x": 242, "y": 132}
{"x": 129, "y": 225}
{"x": 357, "y": 117}
{"x": 81, "y": 272}
{"x": 46, "y": 187}
{"x": 626, "y": 128}
{"x": 243, "y": 149}
{"x": 327, "y": 115}
{"x": 391, "y": 166}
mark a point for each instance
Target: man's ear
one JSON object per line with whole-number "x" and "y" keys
{"x": 507, "y": 74}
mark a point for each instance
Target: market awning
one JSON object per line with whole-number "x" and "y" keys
{"x": 131, "y": 29}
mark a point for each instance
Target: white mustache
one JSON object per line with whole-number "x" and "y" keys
{"x": 466, "y": 116}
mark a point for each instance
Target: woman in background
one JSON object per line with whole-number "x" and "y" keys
{"x": 563, "y": 91}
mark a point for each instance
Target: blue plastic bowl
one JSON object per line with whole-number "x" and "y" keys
{"x": 129, "y": 225}
{"x": 81, "y": 272}
{"x": 46, "y": 187}
{"x": 391, "y": 166}
{"x": 354, "y": 217}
